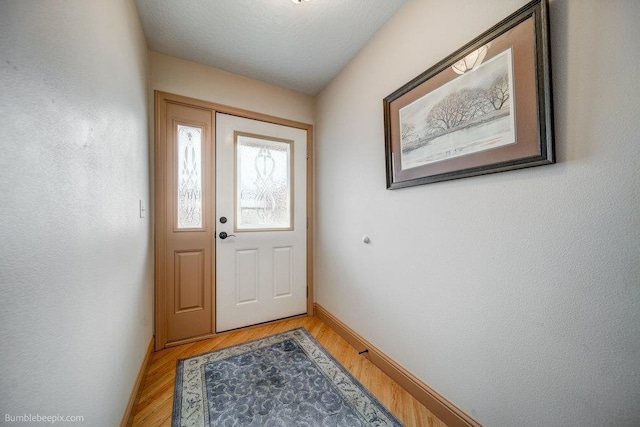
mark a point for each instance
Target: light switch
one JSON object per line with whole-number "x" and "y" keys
{"x": 142, "y": 209}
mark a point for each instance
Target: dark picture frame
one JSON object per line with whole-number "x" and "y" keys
{"x": 485, "y": 108}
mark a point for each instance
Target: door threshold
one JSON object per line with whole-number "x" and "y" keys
{"x": 262, "y": 323}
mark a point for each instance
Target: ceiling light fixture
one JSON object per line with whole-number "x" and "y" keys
{"x": 472, "y": 60}
{"x": 298, "y": 1}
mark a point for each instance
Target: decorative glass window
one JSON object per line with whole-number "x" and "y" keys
{"x": 263, "y": 183}
{"x": 189, "y": 177}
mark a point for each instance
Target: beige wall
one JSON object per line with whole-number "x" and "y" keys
{"x": 175, "y": 75}
{"x": 516, "y": 295}
{"x": 76, "y": 283}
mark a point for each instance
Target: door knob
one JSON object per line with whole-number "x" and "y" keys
{"x": 223, "y": 235}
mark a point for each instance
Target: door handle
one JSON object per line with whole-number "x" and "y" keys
{"x": 223, "y": 235}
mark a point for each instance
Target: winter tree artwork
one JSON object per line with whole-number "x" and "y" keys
{"x": 472, "y": 113}
{"x": 485, "y": 108}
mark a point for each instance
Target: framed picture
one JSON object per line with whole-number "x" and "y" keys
{"x": 485, "y": 108}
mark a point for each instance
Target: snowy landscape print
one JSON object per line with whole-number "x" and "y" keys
{"x": 471, "y": 113}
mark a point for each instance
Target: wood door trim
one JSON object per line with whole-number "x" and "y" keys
{"x": 160, "y": 219}
{"x": 161, "y": 99}
{"x": 233, "y": 111}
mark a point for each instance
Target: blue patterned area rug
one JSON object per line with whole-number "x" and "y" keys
{"x": 284, "y": 380}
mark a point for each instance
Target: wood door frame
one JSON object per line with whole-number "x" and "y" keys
{"x": 161, "y": 99}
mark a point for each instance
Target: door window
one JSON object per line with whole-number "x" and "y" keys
{"x": 263, "y": 189}
{"x": 189, "y": 183}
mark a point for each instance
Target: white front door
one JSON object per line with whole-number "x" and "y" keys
{"x": 261, "y": 222}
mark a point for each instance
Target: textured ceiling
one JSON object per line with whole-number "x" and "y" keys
{"x": 296, "y": 46}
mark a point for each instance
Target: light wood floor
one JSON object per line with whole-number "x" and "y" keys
{"x": 156, "y": 398}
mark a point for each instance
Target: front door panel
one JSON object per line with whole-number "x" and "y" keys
{"x": 261, "y": 211}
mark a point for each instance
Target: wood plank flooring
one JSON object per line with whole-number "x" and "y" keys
{"x": 156, "y": 398}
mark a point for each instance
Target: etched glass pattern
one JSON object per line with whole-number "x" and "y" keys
{"x": 263, "y": 186}
{"x": 189, "y": 177}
